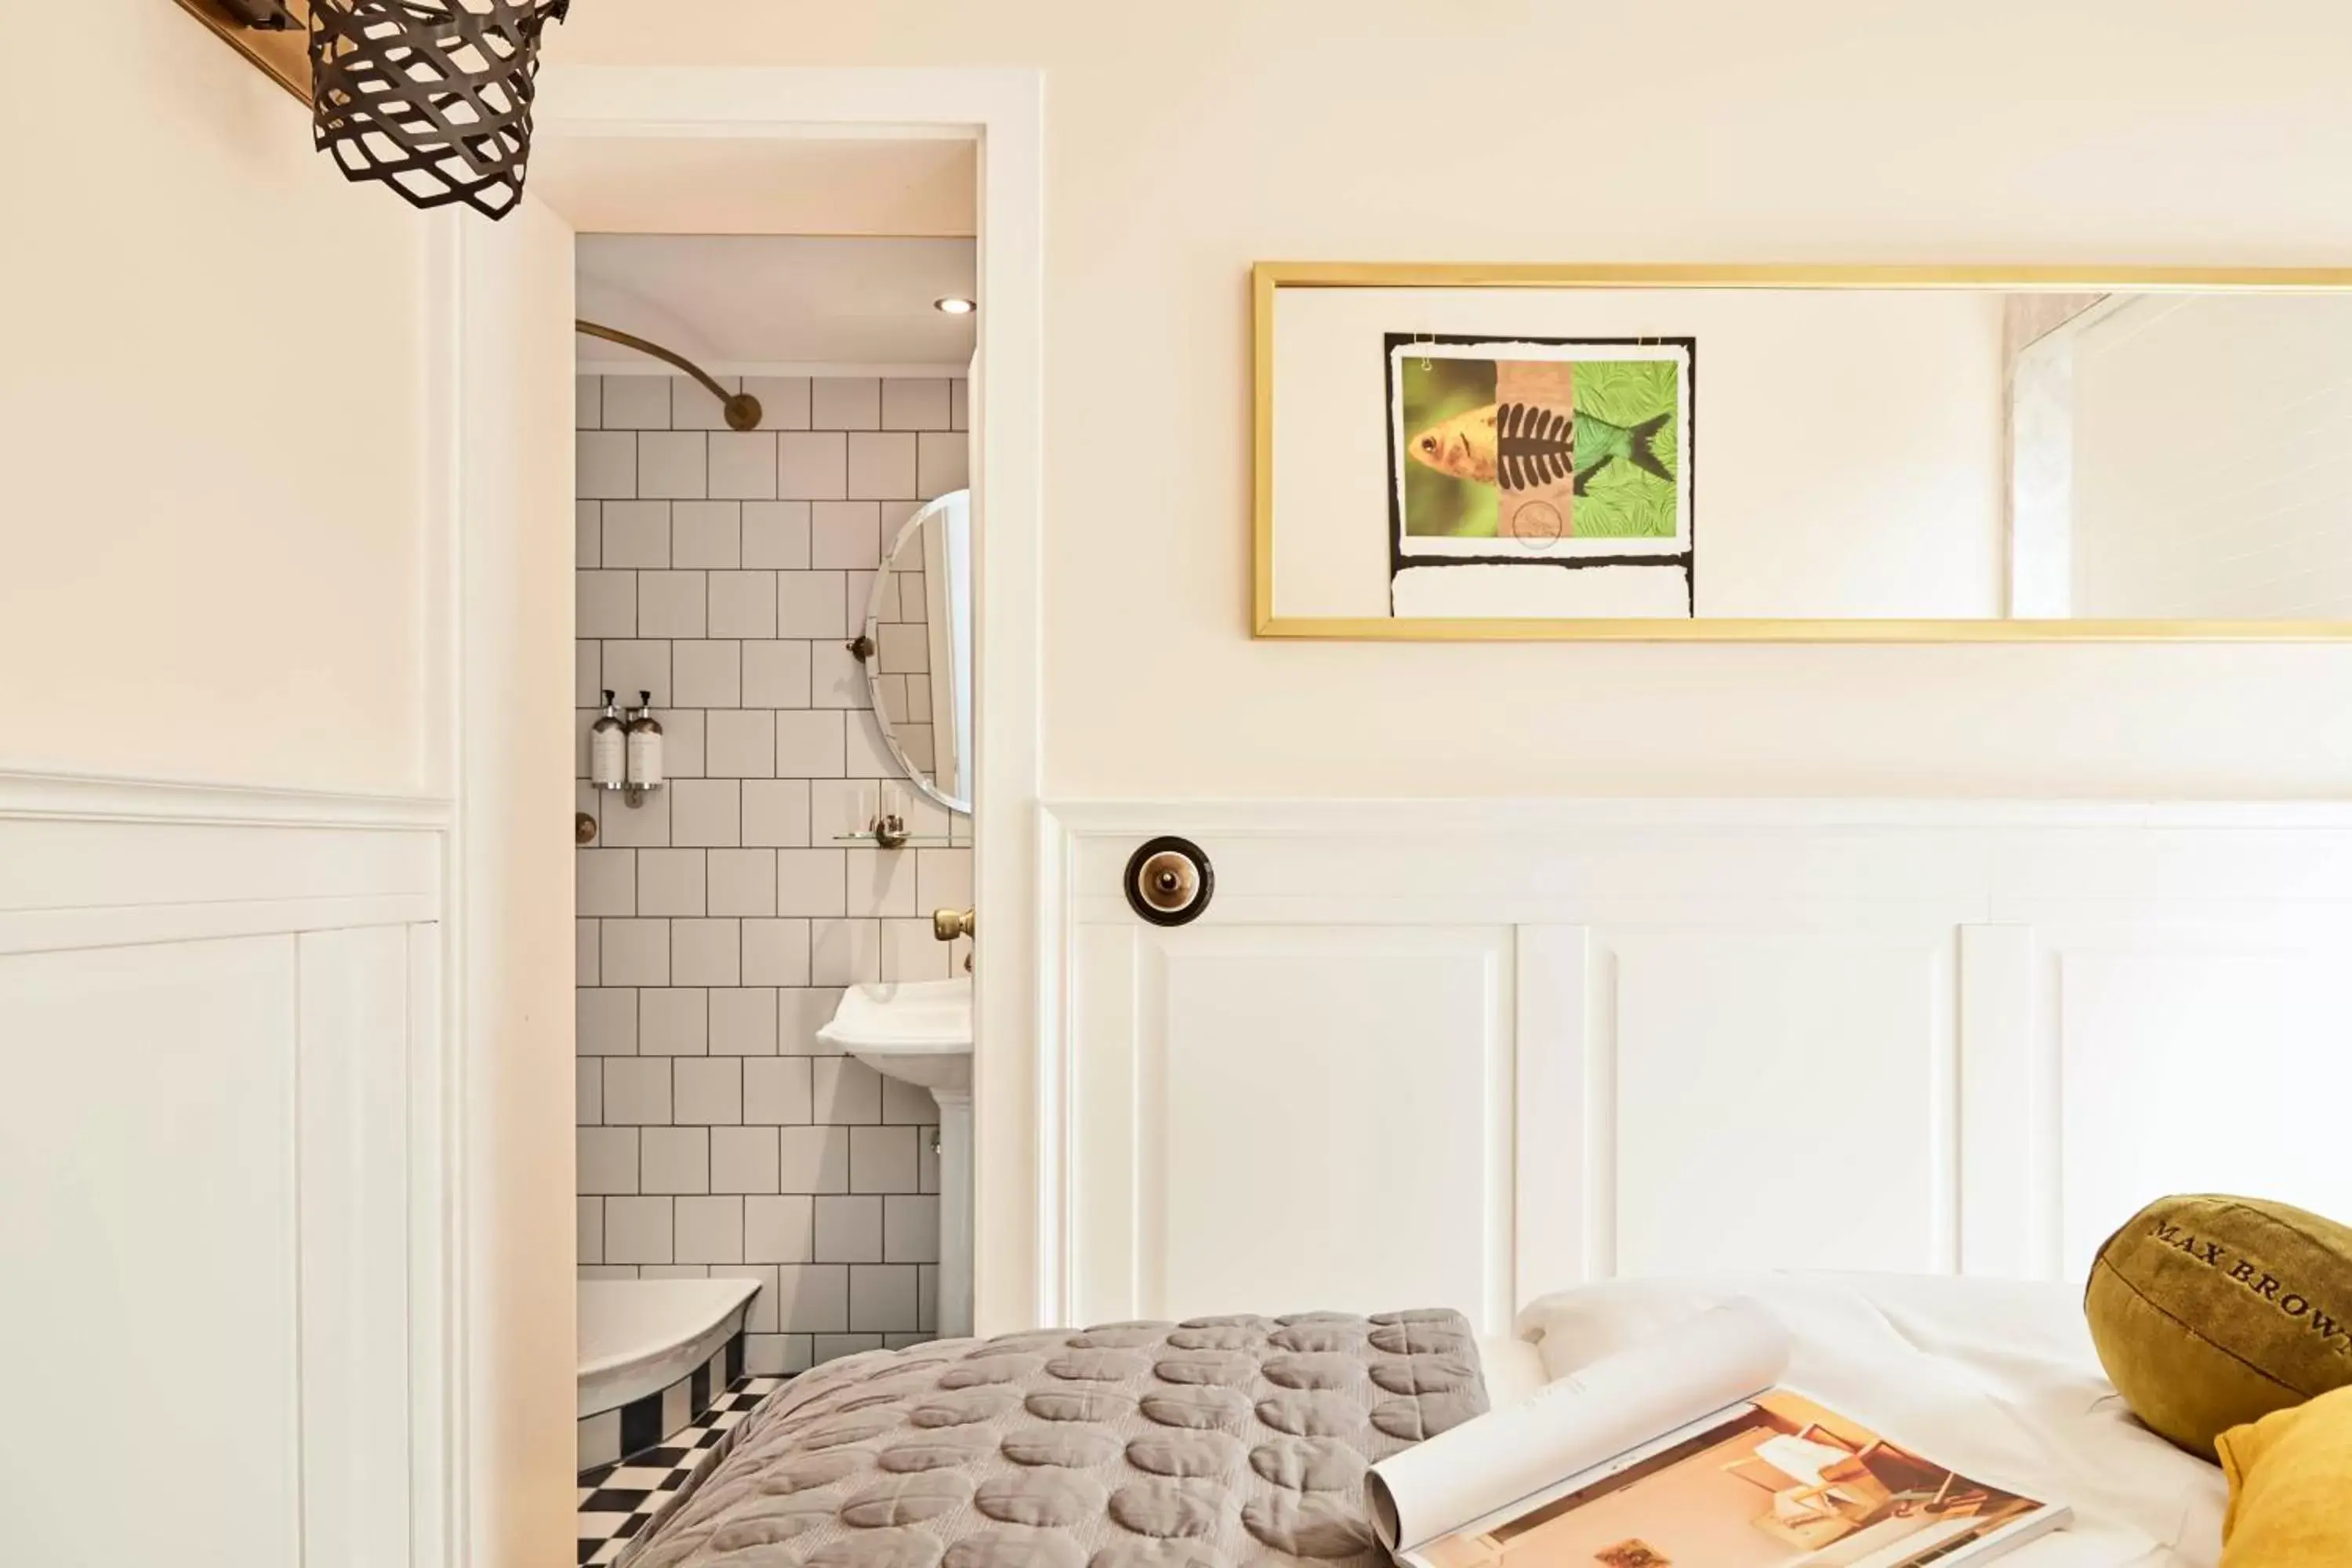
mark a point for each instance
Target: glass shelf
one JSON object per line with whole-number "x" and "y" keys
{"x": 912, "y": 841}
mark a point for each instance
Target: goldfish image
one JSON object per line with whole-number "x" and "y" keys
{"x": 1566, "y": 444}
{"x": 1521, "y": 446}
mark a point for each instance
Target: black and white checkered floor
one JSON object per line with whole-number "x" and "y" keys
{"x": 617, "y": 1501}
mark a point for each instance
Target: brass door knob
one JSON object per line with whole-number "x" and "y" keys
{"x": 1170, "y": 881}
{"x": 949, "y": 924}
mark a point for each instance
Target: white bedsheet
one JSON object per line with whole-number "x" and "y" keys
{"x": 1997, "y": 1379}
{"x": 1514, "y": 1368}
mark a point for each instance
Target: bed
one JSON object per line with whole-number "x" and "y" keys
{"x": 974, "y": 1455}
{"x": 1998, "y": 1378}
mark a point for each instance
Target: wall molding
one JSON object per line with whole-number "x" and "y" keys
{"x": 61, "y": 931}
{"x": 1553, "y": 816}
{"x": 96, "y": 861}
{"x": 94, "y": 797}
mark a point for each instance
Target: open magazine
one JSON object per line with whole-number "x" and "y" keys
{"x": 1682, "y": 1453}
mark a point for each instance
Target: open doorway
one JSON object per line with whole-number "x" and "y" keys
{"x": 822, "y": 786}
{"x": 772, "y": 693}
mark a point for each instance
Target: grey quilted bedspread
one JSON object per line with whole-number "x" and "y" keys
{"x": 1215, "y": 1443}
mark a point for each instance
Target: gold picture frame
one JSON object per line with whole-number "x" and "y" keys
{"x": 1268, "y": 278}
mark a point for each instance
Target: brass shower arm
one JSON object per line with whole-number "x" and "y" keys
{"x": 744, "y": 411}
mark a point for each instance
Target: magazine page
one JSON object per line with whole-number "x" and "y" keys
{"x": 1680, "y": 1377}
{"x": 1777, "y": 1482}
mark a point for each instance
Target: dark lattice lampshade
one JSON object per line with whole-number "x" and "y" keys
{"x": 432, "y": 97}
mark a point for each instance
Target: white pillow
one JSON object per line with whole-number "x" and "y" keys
{"x": 1574, "y": 1329}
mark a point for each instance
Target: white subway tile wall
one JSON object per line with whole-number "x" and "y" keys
{"x": 722, "y": 572}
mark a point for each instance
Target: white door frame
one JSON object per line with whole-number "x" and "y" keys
{"x": 1002, "y": 112}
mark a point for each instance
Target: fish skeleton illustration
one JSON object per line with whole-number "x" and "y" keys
{"x": 1520, "y": 445}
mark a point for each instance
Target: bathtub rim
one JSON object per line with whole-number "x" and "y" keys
{"x": 686, "y": 1320}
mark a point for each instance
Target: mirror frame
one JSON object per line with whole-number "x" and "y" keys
{"x": 870, "y": 641}
{"x": 1268, "y": 278}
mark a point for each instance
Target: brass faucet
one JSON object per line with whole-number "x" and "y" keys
{"x": 949, "y": 924}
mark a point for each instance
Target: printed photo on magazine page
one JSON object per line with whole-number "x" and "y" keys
{"x": 1780, "y": 1482}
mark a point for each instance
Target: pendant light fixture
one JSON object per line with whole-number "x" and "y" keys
{"x": 431, "y": 97}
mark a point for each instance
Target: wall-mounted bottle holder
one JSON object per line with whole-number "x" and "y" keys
{"x": 1170, "y": 881}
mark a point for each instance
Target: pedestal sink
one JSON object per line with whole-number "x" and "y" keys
{"x": 920, "y": 1032}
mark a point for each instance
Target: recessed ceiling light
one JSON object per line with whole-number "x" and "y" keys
{"x": 954, "y": 305}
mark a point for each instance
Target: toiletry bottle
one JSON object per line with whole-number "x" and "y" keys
{"x": 645, "y": 745}
{"x": 607, "y": 749}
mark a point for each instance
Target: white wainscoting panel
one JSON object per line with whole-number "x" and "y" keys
{"x": 2220, "y": 1064}
{"x": 1784, "y": 1101}
{"x": 1321, "y": 1083}
{"x": 1466, "y": 1053}
{"x": 148, "y": 1218}
{"x": 353, "y": 1140}
{"x": 218, "y": 1010}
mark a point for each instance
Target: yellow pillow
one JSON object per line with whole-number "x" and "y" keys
{"x": 2210, "y": 1313}
{"x": 2290, "y": 1488}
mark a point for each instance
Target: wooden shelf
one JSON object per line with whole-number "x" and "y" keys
{"x": 284, "y": 57}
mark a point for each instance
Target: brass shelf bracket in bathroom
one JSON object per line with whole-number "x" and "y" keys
{"x": 743, "y": 410}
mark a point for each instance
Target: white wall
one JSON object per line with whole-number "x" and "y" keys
{"x": 2211, "y": 473}
{"x": 212, "y": 418}
{"x": 1183, "y": 146}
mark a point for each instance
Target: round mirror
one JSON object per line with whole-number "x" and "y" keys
{"x": 918, "y": 650}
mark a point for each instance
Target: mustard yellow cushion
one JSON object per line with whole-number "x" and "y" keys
{"x": 2211, "y": 1312}
{"x": 2290, "y": 1488}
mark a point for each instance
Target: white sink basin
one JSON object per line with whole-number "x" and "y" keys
{"x": 918, "y": 1031}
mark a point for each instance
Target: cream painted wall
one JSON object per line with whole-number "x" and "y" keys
{"x": 214, "y": 548}
{"x": 2211, "y": 471}
{"x": 1182, "y": 145}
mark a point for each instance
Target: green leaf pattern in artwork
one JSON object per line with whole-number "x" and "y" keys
{"x": 1623, "y": 501}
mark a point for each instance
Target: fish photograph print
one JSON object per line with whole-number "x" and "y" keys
{"x": 1512, "y": 460}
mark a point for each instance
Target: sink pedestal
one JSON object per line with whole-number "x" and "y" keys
{"x": 919, "y": 1032}
{"x": 955, "y": 1212}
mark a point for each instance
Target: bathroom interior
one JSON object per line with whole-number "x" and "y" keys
{"x": 774, "y": 873}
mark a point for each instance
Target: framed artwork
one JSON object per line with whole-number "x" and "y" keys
{"x": 1458, "y": 451}
{"x": 1508, "y": 456}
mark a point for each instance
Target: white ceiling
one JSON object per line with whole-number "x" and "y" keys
{"x": 738, "y": 303}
